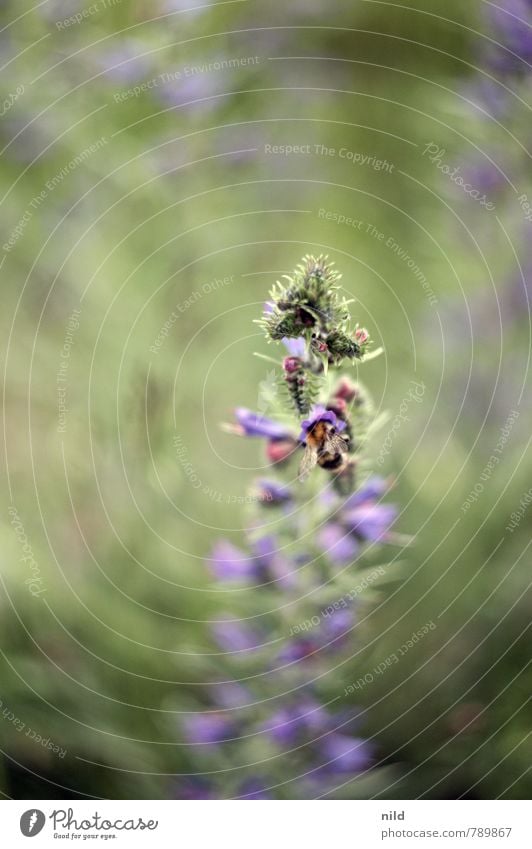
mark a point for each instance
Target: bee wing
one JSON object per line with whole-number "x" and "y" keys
{"x": 335, "y": 444}
{"x": 308, "y": 461}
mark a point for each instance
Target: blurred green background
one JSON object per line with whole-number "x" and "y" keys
{"x": 133, "y": 205}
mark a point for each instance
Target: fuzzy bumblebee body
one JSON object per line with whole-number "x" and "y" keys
{"x": 324, "y": 447}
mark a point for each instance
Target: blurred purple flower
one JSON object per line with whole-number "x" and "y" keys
{"x": 275, "y": 565}
{"x": 295, "y": 347}
{"x": 338, "y": 625}
{"x": 298, "y": 649}
{"x": 370, "y": 522}
{"x": 230, "y": 563}
{"x": 294, "y": 723}
{"x": 273, "y": 492}
{"x": 253, "y": 788}
{"x": 281, "y": 442}
{"x": 359, "y": 519}
{"x": 484, "y": 175}
{"x": 266, "y": 562}
{"x": 208, "y": 728}
{"x": 512, "y": 21}
{"x": 235, "y": 637}
{"x": 372, "y": 489}
{"x": 328, "y": 635}
{"x": 345, "y": 754}
{"x": 253, "y": 424}
{"x": 337, "y": 543}
{"x": 193, "y": 788}
{"x": 230, "y": 695}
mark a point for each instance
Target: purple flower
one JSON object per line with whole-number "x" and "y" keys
{"x": 328, "y": 634}
{"x": 484, "y": 175}
{"x": 266, "y": 563}
{"x": 274, "y": 564}
{"x": 253, "y": 424}
{"x": 230, "y": 695}
{"x": 370, "y": 522}
{"x": 274, "y": 493}
{"x": 345, "y": 754}
{"x": 193, "y": 788}
{"x": 230, "y": 563}
{"x": 372, "y": 489}
{"x": 208, "y": 728}
{"x": 295, "y": 347}
{"x": 337, "y": 543}
{"x": 320, "y": 414}
{"x": 292, "y": 724}
{"x": 253, "y": 788}
{"x": 281, "y": 442}
{"x": 235, "y": 637}
{"x": 512, "y": 21}
{"x": 337, "y": 626}
{"x": 300, "y": 649}
{"x": 361, "y": 518}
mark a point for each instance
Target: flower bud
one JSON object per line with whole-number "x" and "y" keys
{"x": 292, "y": 364}
{"x": 338, "y": 406}
{"x": 361, "y": 335}
{"x": 346, "y": 390}
{"x": 280, "y": 450}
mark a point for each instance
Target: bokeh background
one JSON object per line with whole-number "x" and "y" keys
{"x": 148, "y": 204}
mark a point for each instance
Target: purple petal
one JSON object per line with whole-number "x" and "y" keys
{"x": 253, "y": 788}
{"x": 229, "y": 695}
{"x": 337, "y": 543}
{"x": 253, "y": 424}
{"x": 235, "y": 637}
{"x": 273, "y": 492}
{"x": 273, "y": 561}
{"x": 511, "y": 19}
{"x": 208, "y": 728}
{"x": 320, "y": 414}
{"x": 283, "y": 727}
{"x": 298, "y": 649}
{"x": 371, "y": 521}
{"x": 373, "y": 489}
{"x": 346, "y": 754}
{"x": 193, "y": 788}
{"x": 337, "y": 626}
{"x": 295, "y": 347}
{"x": 289, "y": 724}
{"x": 229, "y": 563}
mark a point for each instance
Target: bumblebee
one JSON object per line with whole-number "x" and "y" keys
{"x": 326, "y": 448}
